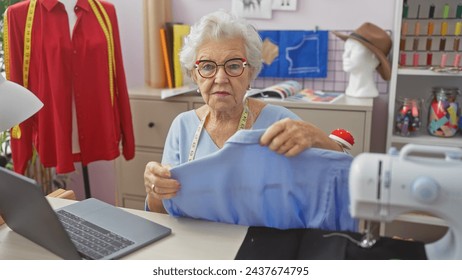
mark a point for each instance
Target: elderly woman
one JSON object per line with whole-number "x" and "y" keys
{"x": 222, "y": 54}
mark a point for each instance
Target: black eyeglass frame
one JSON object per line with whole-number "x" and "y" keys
{"x": 243, "y": 60}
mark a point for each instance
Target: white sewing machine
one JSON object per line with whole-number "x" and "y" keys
{"x": 419, "y": 178}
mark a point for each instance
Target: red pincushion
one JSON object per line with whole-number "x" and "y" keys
{"x": 343, "y": 136}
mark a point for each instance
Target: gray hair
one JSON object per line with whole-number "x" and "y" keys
{"x": 222, "y": 25}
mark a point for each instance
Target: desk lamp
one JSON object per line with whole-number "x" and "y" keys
{"x": 16, "y": 104}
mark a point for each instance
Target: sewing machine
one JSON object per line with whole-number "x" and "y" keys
{"x": 418, "y": 178}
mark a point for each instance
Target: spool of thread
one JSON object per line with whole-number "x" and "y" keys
{"x": 402, "y": 44}
{"x": 428, "y": 46}
{"x": 455, "y": 47}
{"x": 446, "y": 11}
{"x": 456, "y": 60}
{"x": 458, "y": 28}
{"x": 415, "y": 59}
{"x": 429, "y": 59}
{"x": 404, "y": 28}
{"x": 444, "y": 59}
{"x": 417, "y": 28}
{"x": 405, "y": 9}
{"x": 444, "y": 28}
{"x": 459, "y": 11}
{"x": 415, "y": 44}
{"x": 430, "y": 28}
{"x": 442, "y": 44}
{"x": 402, "y": 59}
{"x": 431, "y": 11}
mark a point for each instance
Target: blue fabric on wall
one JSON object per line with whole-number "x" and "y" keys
{"x": 301, "y": 54}
{"x": 247, "y": 184}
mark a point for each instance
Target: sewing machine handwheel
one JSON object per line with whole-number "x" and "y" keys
{"x": 425, "y": 189}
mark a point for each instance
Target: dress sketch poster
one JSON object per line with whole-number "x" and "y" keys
{"x": 294, "y": 54}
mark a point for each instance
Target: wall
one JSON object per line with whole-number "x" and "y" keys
{"x": 325, "y": 14}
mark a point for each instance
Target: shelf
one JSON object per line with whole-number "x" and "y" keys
{"x": 417, "y": 82}
{"x": 455, "y": 141}
{"x": 434, "y": 19}
{"x": 426, "y": 72}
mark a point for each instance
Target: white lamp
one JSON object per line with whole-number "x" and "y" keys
{"x": 16, "y": 104}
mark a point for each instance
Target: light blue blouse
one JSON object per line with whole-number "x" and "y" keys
{"x": 248, "y": 184}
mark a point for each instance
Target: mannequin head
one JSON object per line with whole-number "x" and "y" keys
{"x": 366, "y": 50}
{"x": 360, "y": 63}
{"x": 357, "y": 58}
{"x": 376, "y": 40}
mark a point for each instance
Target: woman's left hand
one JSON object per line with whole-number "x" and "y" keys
{"x": 290, "y": 137}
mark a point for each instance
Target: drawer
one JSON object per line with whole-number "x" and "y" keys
{"x": 130, "y": 174}
{"x": 328, "y": 120}
{"x": 133, "y": 202}
{"x": 152, "y": 120}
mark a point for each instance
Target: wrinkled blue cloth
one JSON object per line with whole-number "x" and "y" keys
{"x": 248, "y": 184}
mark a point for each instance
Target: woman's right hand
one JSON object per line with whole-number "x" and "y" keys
{"x": 159, "y": 185}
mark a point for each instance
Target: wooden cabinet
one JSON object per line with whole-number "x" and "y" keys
{"x": 152, "y": 117}
{"x": 151, "y": 121}
{"x": 352, "y": 114}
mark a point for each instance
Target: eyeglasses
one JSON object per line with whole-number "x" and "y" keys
{"x": 234, "y": 67}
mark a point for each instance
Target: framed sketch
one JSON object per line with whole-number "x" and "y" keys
{"x": 253, "y": 8}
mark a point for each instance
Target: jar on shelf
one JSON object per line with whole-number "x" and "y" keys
{"x": 408, "y": 117}
{"x": 444, "y": 112}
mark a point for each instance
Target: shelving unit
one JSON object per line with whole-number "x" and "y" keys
{"x": 417, "y": 81}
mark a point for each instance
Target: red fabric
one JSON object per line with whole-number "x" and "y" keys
{"x": 60, "y": 67}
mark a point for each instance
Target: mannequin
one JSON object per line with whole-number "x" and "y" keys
{"x": 69, "y": 5}
{"x": 76, "y": 69}
{"x": 366, "y": 50}
{"x": 360, "y": 63}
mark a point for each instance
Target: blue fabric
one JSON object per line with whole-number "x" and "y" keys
{"x": 301, "y": 53}
{"x": 181, "y": 133}
{"x": 247, "y": 184}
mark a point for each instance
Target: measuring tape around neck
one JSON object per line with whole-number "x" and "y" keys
{"x": 197, "y": 135}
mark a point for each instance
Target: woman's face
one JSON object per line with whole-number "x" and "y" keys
{"x": 223, "y": 92}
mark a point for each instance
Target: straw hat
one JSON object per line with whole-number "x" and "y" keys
{"x": 376, "y": 40}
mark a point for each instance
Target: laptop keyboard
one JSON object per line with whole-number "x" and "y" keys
{"x": 92, "y": 241}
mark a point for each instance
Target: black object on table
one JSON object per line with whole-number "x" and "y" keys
{"x": 310, "y": 244}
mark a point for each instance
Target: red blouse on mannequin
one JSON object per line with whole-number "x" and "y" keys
{"x": 62, "y": 66}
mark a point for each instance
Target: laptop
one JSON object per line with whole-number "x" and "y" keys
{"x": 88, "y": 229}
